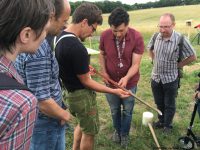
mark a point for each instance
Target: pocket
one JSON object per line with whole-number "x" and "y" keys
{"x": 77, "y": 105}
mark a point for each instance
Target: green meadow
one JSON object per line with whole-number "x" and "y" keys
{"x": 141, "y": 138}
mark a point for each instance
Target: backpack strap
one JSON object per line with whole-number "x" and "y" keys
{"x": 55, "y": 43}
{"x": 180, "y": 70}
{"x": 154, "y": 40}
{"x": 180, "y": 45}
{"x": 8, "y": 83}
{"x": 55, "y": 40}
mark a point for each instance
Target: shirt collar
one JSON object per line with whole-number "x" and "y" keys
{"x": 170, "y": 39}
{"x": 172, "y": 36}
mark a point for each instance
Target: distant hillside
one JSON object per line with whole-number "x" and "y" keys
{"x": 146, "y": 20}
{"x": 107, "y": 6}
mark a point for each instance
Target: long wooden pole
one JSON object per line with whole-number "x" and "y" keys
{"x": 154, "y": 136}
{"x": 130, "y": 92}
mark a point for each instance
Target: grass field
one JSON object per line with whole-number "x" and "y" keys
{"x": 146, "y": 22}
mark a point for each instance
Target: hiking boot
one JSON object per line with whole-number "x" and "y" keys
{"x": 116, "y": 137}
{"x": 124, "y": 141}
{"x": 158, "y": 125}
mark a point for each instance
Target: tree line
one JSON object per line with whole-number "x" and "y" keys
{"x": 107, "y": 6}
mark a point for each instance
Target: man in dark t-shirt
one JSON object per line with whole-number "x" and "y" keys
{"x": 72, "y": 56}
{"x": 73, "y": 62}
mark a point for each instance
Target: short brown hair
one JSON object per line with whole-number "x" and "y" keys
{"x": 18, "y": 14}
{"x": 87, "y": 11}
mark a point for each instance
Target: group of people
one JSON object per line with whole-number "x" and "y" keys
{"x": 35, "y": 118}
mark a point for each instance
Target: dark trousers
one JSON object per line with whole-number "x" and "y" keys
{"x": 164, "y": 96}
{"x": 198, "y": 108}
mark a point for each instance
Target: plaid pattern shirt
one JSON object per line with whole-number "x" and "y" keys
{"x": 18, "y": 109}
{"x": 166, "y": 53}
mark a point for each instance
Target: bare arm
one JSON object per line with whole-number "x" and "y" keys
{"x": 136, "y": 59}
{"x": 151, "y": 54}
{"x": 91, "y": 84}
{"x": 187, "y": 61}
{"x": 198, "y": 95}
{"x": 102, "y": 61}
{"x": 103, "y": 66}
{"x": 52, "y": 109}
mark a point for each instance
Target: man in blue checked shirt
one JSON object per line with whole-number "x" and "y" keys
{"x": 40, "y": 73}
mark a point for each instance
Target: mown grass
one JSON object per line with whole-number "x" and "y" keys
{"x": 146, "y": 21}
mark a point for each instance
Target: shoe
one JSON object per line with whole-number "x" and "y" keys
{"x": 198, "y": 141}
{"x": 167, "y": 130}
{"x": 124, "y": 141}
{"x": 116, "y": 137}
{"x": 158, "y": 125}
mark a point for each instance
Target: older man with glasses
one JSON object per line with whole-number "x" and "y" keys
{"x": 168, "y": 56}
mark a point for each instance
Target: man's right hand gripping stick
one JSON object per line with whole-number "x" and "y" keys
{"x": 130, "y": 92}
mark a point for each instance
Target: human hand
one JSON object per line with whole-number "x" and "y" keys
{"x": 68, "y": 118}
{"x": 62, "y": 122}
{"x": 92, "y": 71}
{"x": 123, "y": 82}
{"x": 121, "y": 93}
{"x": 197, "y": 95}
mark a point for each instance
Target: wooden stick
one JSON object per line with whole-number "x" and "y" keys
{"x": 157, "y": 110}
{"x": 130, "y": 92}
{"x": 154, "y": 136}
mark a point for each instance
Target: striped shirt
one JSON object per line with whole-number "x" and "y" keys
{"x": 18, "y": 110}
{"x": 166, "y": 54}
{"x": 40, "y": 73}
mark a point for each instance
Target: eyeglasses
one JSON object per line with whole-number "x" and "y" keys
{"x": 93, "y": 28}
{"x": 164, "y": 27}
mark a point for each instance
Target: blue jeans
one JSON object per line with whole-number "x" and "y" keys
{"x": 121, "y": 117}
{"x": 48, "y": 134}
{"x": 164, "y": 96}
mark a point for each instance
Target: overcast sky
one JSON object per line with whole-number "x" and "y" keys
{"x": 123, "y": 1}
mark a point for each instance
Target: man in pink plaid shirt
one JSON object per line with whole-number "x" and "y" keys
{"x": 19, "y": 31}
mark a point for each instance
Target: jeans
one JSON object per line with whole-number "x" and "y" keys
{"x": 164, "y": 96}
{"x": 48, "y": 134}
{"x": 121, "y": 116}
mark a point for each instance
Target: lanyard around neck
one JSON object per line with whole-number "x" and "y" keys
{"x": 120, "y": 51}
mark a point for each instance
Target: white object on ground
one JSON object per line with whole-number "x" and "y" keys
{"x": 147, "y": 117}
